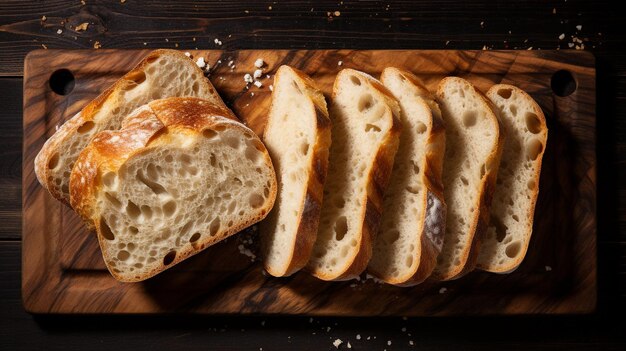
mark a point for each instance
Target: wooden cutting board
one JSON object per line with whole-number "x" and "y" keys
{"x": 63, "y": 271}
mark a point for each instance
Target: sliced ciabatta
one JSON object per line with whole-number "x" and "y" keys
{"x": 513, "y": 206}
{"x": 162, "y": 74}
{"x": 178, "y": 177}
{"x": 413, "y": 222}
{"x": 473, "y": 148}
{"x": 365, "y": 133}
{"x": 297, "y": 136}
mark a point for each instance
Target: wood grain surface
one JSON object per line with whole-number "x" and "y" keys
{"x": 64, "y": 273}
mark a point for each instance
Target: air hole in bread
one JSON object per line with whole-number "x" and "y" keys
{"x": 413, "y": 189}
{"x": 500, "y": 228}
{"x": 532, "y": 123}
{"x": 109, "y": 179}
{"x": 146, "y": 211}
{"x": 515, "y": 217}
{"x": 266, "y": 192}
{"x": 340, "y": 202}
{"x": 169, "y": 208}
{"x": 296, "y": 87}
{"x": 232, "y": 141}
{"x": 136, "y": 77}
{"x": 304, "y": 148}
{"x": 464, "y": 180}
{"x": 344, "y": 251}
{"x": 469, "y": 118}
{"x": 531, "y": 184}
{"x": 391, "y": 236}
{"x": 355, "y": 80}
{"x": 214, "y": 227}
{"x": 105, "y": 230}
{"x": 409, "y": 261}
{"x": 252, "y": 154}
{"x": 513, "y": 249}
{"x": 169, "y": 158}
{"x": 341, "y": 227}
{"x": 230, "y": 223}
{"x": 365, "y": 102}
{"x": 420, "y": 127}
{"x": 212, "y": 160}
{"x": 112, "y": 199}
{"x": 133, "y": 230}
{"x": 353, "y": 243}
{"x": 209, "y": 133}
{"x": 416, "y": 168}
{"x": 220, "y": 128}
{"x": 513, "y": 109}
{"x": 256, "y": 201}
{"x": 372, "y": 128}
{"x": 132, "y": 210}
{"x": 505, "y": 93}
{"x": 533, "y": 149}
{"x": 154, "y": 186}
{"x": 54, "y": 161}
{"x": 232, "y": 207}
{"x": 169, "y": 258}
{"x": 123, "y": 255}
{"x": 152, "y": 172}
{"x": 195, "y": 237}
{"x": 195, "y": 87}
{"x": 85, "y": 127}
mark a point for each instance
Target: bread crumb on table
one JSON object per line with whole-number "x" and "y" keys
{"x": 97, "y": 45}
{"x": 248, "y": 78}
{"x": 337, "y": 342}
{"x": 257, "y": 73}
{"x": 443, "y": 290}
{"x": 259, "y": 63}
{"x": 258, "y": 84}
{"x": 82, "y": 27}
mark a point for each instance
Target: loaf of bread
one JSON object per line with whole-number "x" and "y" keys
{"x": 162, "y": 74}
{"x": 365, "y": 136}
{"x": 513, "y": 208}
{"x": 414, "y": 214}
{"x": 474, "y": 143}
{"x": 179, "y": 176}
{"x": 297, "y": 136}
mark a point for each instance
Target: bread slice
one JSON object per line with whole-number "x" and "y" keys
{"x": 513, "y": 208}
{"x": 473, "y": 147}
{"x": 163, "y": 73}
{"x": 413, "y": 221}
{"x": 178, "y": 177}
{"x": 297, "y": 136}
{"x": 366, "y": 130}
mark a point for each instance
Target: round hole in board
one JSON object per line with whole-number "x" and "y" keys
{"x": 62, "y": 81}
{"x": 563, "y": 83}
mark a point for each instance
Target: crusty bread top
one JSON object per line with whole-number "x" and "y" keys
{"x": 54, "y": 161}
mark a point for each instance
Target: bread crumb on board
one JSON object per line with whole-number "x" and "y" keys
{"x": 443, "y": 290}
{"x": 200, "y": 62}
{"x": 82, "y": 27}
{"x": 337, "y": 342}
{"x": 97, "y": 45}
{"x": 259, "y": 63}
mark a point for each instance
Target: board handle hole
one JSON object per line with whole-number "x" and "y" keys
{"x": 563, "y": 83}
{"x": 62, "y": 81}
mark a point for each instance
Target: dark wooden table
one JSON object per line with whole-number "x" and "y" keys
{"x": 451, "y": 24}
